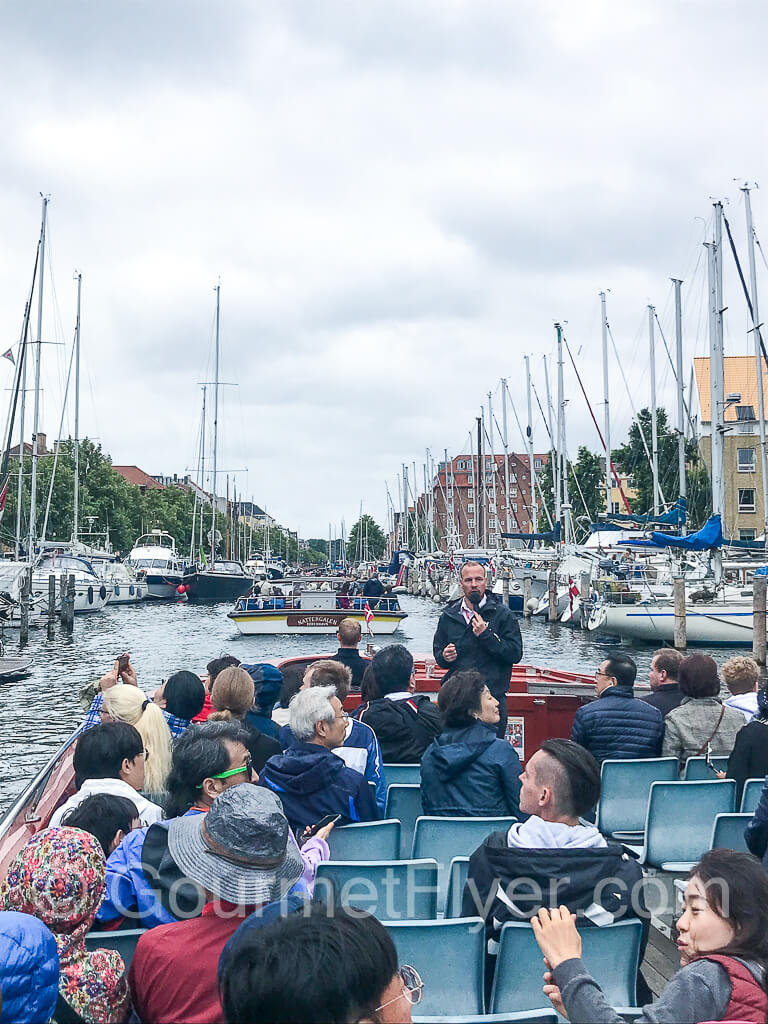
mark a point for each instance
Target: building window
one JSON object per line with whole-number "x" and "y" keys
{"x": 746, "y": 499}
{"x": 747, "y": 534}
{"x": 615, "y": 507}
{"x": 461, "y": 464}
{"x": 513, "y": 492}
{"x": 470, "y": 492}
{"x": 491, "y": 538}
{"x": 514, "y": 506}
{"x": 746, "y": 460}
{"x": 537, "y": 463}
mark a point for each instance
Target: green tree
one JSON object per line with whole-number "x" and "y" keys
{"x": 373, "y": 540}
{"x": 631, "y": 458}
{"x": 318, "y": 544}
{"x": 589, "y": 472}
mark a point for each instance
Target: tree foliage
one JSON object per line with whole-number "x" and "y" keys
{"x": 631, "y": 458}
{"x": 373, "y": 540}
{"x": 108, "y": 503}
{"x": 589, "y": 473}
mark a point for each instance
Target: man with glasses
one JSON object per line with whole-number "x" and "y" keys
{"x": 617, "y": 726}
{"x": 309, "y": 778}
{"x": 313, "y": 966}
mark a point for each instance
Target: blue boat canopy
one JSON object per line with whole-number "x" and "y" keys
{"x": 675, "y": 517}
{"x": 552, "y": 535}
{"x": 709, "y": 536}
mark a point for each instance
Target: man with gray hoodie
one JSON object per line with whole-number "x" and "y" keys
{"x": 551, "y": 858}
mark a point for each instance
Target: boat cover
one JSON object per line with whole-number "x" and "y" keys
{"x": 552, "y": 535}
{"x": 709, "y": 536}
{"x": 675, "y": 517}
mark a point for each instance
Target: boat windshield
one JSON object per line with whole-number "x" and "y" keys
{"x": 66, "y": 562}
{"x": 229, "y": 567}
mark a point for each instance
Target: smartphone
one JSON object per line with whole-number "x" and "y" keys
{"x": 122, "y": 663}
{"x": 314, "y": 829}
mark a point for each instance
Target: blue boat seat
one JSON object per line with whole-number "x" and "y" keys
{"x": 402, "y": 774}
{"x": 624, "y": 790}
{"x": 392, "y": 890}
{"x": 750, "y": 796}
{"x": 457, "y": 877}
{"x": 728, "y": 832}
{"x": 678, "y": 828}
{"x": 368, "y": 840}
{"x": 449, "y": 956}
{"x": 404, "y": 803}
{"x": 696, "y": 769}
{"x": 612, "y": 954}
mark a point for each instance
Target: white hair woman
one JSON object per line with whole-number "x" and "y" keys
{"x": 129, "y": 704}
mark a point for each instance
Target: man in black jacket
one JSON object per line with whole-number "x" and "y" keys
{"x": 405, "y": 722}
{"x": 349, "y": 636}
{"x": 551, "y": 858}
{"x": 479, "y": 632}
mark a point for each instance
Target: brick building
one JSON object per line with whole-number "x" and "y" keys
{"x": 476, "y": 526}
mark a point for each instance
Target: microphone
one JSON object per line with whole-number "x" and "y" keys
{"x": 475, "y": 597}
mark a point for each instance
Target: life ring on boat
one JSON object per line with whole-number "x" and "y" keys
{"x": 102, "y": 592}
{"x": 117, "y": 590}
{"x": 90, "y": 595}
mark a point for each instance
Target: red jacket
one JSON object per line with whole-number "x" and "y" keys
{"x": 749, "y": 1000}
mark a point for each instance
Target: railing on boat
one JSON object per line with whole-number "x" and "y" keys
{"x": 293, "y": 602}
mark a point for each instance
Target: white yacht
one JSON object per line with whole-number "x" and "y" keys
{"x": 91, "y": 592}
{"x": 155, "y": 557}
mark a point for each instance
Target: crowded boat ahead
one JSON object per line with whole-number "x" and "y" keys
{"x": 380, "y": 837}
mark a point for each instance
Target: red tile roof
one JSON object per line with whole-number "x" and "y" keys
{"x": 137, "y": 476}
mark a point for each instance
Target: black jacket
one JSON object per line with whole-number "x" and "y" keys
{"x": 312, "y": 781}
{"x": 404, "y": 728}
{"x": 749, "y": 757}
{"x": 666, "y": 697}
{"x": 527, "y": 878}
{"x": 470, "y": 772}
{"x": 493, "y": 653}
{"x": 357, "y": 665}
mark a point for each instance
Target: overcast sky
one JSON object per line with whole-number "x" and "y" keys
{"x": 399, "y": 199}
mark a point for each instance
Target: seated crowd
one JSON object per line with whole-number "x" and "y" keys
{"x": 201, "y": 813}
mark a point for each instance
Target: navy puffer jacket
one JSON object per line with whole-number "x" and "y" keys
{"x": 29, "y": 969}
{"x": 618, "y": 726}
{"x": 469, "y": 772}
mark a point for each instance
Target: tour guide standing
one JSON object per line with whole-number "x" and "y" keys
{"x": 479, "y": 632}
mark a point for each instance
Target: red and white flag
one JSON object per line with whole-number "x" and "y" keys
{"x": 9, "y": 355}
{"x": 573, "y": 591}
{"x": 4, "y": 492}
{"x": 368, "y": 615}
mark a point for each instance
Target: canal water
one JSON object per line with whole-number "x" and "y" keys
{"x": 38, "y": 713}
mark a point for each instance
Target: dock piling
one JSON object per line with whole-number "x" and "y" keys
{"x": 505, "y": 587}
{"x": 26, "y": 590}
{"x": 552, "y": 585}
{"x": 758, "y": 619}
{"x": 526, "y": 597}
{"x": 51, "y": 605}
{"x": 68, "y": 605}
{"x": 681, "y": 639}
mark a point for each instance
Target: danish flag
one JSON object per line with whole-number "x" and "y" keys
{"x": 368, "y": 614}
{"x": 573, "y": 591}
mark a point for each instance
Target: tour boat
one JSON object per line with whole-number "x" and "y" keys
{"x": 307, "y": 610}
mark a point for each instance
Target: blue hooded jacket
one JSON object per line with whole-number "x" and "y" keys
{"x": 619, "y": 726}
{"x": 267, "y": 680}
{"x": 469, "y": 772}
{"x": 29, "y": 969}
{"x": 312, "y": 782}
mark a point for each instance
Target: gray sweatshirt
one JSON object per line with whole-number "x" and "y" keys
{"x": 699, "y": 991}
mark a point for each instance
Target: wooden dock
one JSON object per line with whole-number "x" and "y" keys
{"x": 662, "y": 960}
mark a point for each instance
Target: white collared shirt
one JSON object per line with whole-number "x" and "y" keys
{"x": 147, "y": 812}
{"x": 468, "y": 610}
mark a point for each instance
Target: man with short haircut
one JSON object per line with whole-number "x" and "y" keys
{"x": 616, "y": 725}
{"x": 349, "y": 635}
{"x": 552, "y": 858}
{"x": 309, "y": 778}
{"x": 242, "y": 857}
{"x": 360, "y": 749}
{"x": 479, "y": 631}
{"x": 741, "y": 675}
{"x": 373, "y": 588}
{"x": 663, "y": 677}
{"x": 109, "y": 758}
{"x": 405, "y": 722}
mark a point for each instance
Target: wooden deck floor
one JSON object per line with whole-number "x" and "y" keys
{"x": 661, "y": 961}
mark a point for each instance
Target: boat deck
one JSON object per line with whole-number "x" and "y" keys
{"x": 661, "y": 961}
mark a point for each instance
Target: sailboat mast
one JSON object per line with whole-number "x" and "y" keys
{"x": 36, "y": 415}
{"x": 22, "y": 355}
{"x": 480, "y": 481}
{"x": 75, "y": 523}
{"x": 215, "y": 428}
{"x": 758, "y": 354}
{"x": 531, "y": 461}
{"x": 607, "y": 406}
{"x": 561, "y": 452}
{"x": 493, "y": 507}
{"x": 654, "y": 425}
{"x": 553, "y": 440}
{"x": 680, "y": 403}
{"x": 505, "y": 442}
{"x": 716, "y": 375}
{"x": 202, "y": 469}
